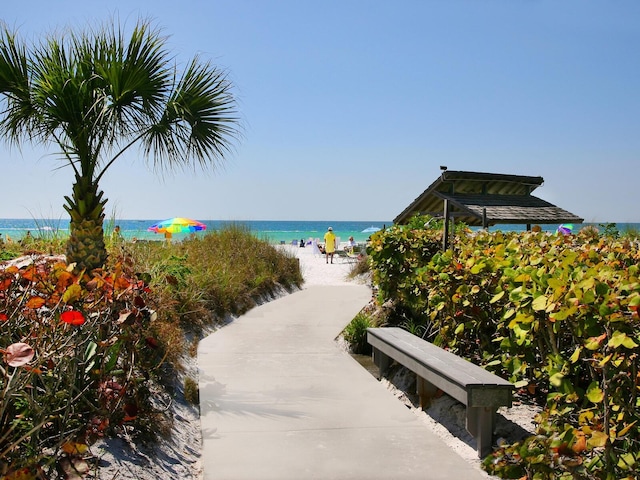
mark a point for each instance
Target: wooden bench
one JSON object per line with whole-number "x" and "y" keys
{"x": 481, "y": 391}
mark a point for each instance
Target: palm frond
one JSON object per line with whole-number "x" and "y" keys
{"x": 199, "y": 123}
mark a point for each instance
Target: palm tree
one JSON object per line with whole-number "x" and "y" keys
{"x": 98, "y": 93}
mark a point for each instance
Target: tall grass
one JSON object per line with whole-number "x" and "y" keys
{"x": 206, "y": 277}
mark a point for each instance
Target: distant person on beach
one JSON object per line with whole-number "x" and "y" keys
{"x": 167, "y": 236}
{"x": 329, "y": 244}
{"x": 302, "y": 242}
{"x": 350, "y": 244}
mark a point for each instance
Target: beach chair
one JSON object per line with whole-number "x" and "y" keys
{"x": 351, "y": 255}
{"x": 314, "y": 247}
{"x": 343, "y": 255}
{"x": 356, "y": 252}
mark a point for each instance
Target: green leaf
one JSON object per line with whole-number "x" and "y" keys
{"x": 556, "y": 379}
{"x": 595, "y": 393}
{"x": 605, "y": 310}
{"x": 72, "y": 293}
{"x": 477, "y": 268}
{"x": 620, "y": 338}
{"x": 593, "y": 343}
{"x": 497, "y": 297}
{"x": 539, "y": 303}
{"x": 112, "y": 356}
{"x": 588, "y": 297}
{"x": 602, "y": 288}
{"x": 598, "y": 439}
{"x": 576, "y": 355}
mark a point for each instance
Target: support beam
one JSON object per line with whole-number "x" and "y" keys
{"x": 445, "y": 236}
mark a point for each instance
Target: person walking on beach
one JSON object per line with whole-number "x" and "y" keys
{"x": 329, "y": 244}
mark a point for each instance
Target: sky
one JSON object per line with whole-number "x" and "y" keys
{"x": 349, "y": 107}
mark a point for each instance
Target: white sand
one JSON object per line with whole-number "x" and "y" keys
{"x": 316, "y": 270}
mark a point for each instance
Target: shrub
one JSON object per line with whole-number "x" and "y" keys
{"x": 557, "y": 315}
{"x": 191, "y": 393}
{"x": 361, "y": 267}
{"x": 78, "y": 356}
{"x": 355, "y": 334}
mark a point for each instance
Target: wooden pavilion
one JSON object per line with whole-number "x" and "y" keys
{"x": 485, "y": 199}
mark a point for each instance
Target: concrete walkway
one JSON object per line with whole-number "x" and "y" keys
{"x": 280, "y": 400}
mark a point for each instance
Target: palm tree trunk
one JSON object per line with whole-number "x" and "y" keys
{"x": 86, "y": 247}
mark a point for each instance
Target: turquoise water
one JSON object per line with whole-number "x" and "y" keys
{"x": 273, "y": 231}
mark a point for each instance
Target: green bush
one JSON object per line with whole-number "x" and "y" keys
{"x": 79, "y": 353}
{"x": 355, "y": 334}
{"x": 557, "y": 315}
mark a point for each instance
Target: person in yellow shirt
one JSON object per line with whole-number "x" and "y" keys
{"x": 329, "y": 244}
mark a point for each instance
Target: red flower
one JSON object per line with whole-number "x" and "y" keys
{"x": 72, "y": 317}
{"x": 3, "y": 317}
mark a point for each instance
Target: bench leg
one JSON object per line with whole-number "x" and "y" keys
{"x": 381, "y": 360}
{"x": 480, "y": 424}
{"x": 426, "y": 391}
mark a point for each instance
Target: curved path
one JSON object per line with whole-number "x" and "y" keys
{"x": 280, "y": 400}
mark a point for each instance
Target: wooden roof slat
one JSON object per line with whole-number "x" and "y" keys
{"x": 504, "y": 199}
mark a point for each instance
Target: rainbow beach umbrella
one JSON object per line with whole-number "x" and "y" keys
{"x": 177, "y": 225}
{"x": 565, "y": 229}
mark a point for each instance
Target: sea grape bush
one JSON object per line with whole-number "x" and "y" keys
{"x": 78, "y": 352}
{"x": 557, "y": 315}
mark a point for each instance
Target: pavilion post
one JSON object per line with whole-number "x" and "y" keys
{"x": 445, "y": 235}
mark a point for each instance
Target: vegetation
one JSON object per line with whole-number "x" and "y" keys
{"x": 557, "y": 315}
{"x": 355, "y": 334}
{"x": 85, "y": 359}
{"x": 98, "y": 93}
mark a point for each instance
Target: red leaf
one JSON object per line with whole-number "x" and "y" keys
{"x": 131, "y": 409}
{"x": 5, "y": 283}
{"x": 3, "y": 317}
{"x": 122, "y": 283}
{"x": 72, "y": 317}
{"x": 18, "y": 354}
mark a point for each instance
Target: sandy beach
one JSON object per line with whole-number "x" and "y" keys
{"x": 315, "y": 269}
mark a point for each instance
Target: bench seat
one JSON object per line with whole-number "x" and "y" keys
{"x": 480, "y": 390}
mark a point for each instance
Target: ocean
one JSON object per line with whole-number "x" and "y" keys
{"x": 274, "y": 231}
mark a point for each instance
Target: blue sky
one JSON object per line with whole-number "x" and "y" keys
{"x": 349, "y": 107}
